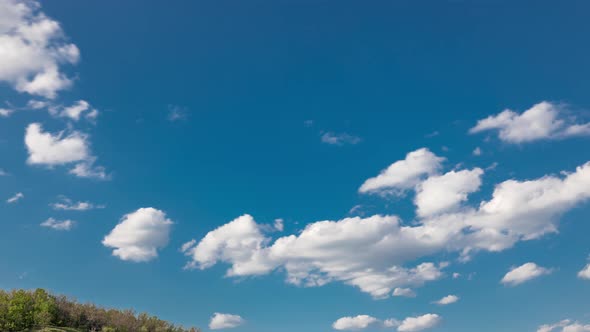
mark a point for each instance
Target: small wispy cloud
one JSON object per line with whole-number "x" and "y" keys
{"x": 449, "y": 299}
{"x": 58, "y": 225}
{"x": 17, "y": 197}
{"x": 67, "y": 204}
{"x": 177, "y": 113}
{"x": 339, "y": 138}
{"x": 5, "y": 112}
{"x": 432, "y": 134}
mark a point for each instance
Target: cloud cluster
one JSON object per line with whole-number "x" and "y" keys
{"x": 377, "y": 253}
{"x": 410, "y": 324}
{"x": 544, "y": 120}
{"x": 520, "y": 274}
{"x": 225, "y": 321}
{"x": 139, "y": 235}
{"x": 33, "y": 49}
{"x": 51, "y": 150}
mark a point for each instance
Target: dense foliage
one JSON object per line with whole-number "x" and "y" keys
{"x": 22, "y": 310}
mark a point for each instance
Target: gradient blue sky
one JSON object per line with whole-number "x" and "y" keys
{"x": 259, "y": 88}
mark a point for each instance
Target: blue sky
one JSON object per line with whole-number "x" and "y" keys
{"x": 310, "y": 157}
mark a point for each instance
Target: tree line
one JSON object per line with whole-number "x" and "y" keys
{"x": 22, "y": 310}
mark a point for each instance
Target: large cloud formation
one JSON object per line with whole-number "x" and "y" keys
{"x": 380, "y": 253}
{"x": 139, "y": 235}
{"x": 33, "y": 50}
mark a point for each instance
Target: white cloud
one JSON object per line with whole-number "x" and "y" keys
{"x": 410, "y": 324}
{"x": 75, "y": 111}
{"x": 405, "y": 292}
{"x": 565, "y": 325}
{"x": 354, "y": 323}
{"x": 139, "y": 235}
{"x": 60, "y": 149}
{"x": 279, "y": 224}
{"x": 87, "y": 169}
{"x": 420, "y": 323}
{"x": 449, "y": 299}
{"x": 17, "y": 197}
{"x": 585, "y": 272}
{"x": 391, "y": 323}
{"x": 404, "y": 174}
{"x": 225, "y": 321}
{"x": 445, "y": 192}
{"x": 60, "y": 225}
{"x": 339, "y": 138}
{"x": 47, "y": 149}
{"x": 33, "y": 48}
{"x": 544, "y": 120}
{"x": 177, "y": 113}
{"x": 524, "y": 273}
{"x": 37, "y": 104}
{"x": 4, "y": 112}
{"x": 477, "y": 151}
{"x": 67, "y": 204}
{"x": 366, "y": 253}
{"x": 380, "y": 253}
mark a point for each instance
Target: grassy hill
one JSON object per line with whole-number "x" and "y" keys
{"x": 26, "y": 310}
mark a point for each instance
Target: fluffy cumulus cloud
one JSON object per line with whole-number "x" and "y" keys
{"x": 139, "y": 235}
{"x": 59, "y": 225}
{"x": 339, "y": 138}
{"x": 565, "y": 325}
{"x": 520, "y": 274}
{"x": 33, "y": 49}
{"x": 225, "y": 321}
{"x": 419, "y": 323}
{"x": 404, "y": 174}
{"x": 355, "y": 323}
{"x": 449, "y": 299}
{"x": 51, "y": 150}
{"x": 380, "y": 253}
{"x": 362, "y": 252}
{"x": 442, "y": 193}
{"x": 544, "y": 120}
